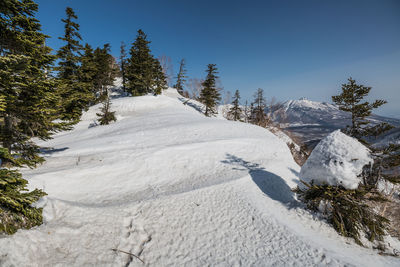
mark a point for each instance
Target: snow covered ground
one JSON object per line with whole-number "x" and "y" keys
{"x": 176, "y": 189}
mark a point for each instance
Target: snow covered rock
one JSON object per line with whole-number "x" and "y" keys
{"x": 337, "y": 160}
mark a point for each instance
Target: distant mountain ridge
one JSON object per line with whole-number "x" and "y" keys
{"x": 310, "y": 121}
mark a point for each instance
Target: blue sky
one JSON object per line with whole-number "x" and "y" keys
{"x": 291, "y": 49}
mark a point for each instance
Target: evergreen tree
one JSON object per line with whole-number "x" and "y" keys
{"x": 16, "y": 210}
{"x": 88, "y": 72}
{"x": 258, "y": 115}
{"x": 106, "y": 116}
{"x": 74, "y": 94}
{"x": 209, "y": 95}
{"x": 123, "y": 63}
{"x": 350, "y": 100}
{"x": 27, "y": 109}
{"x": 25, "y": 83}
{"x": 181, "y": 77}
{"x": 235, "y": 111}
{"x": 140, "y": 69}
{"x": 160, "y": 81}
{"x": 105, "y": 71}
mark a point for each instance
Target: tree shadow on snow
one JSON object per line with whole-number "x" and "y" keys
{"x": 51, "y": 150}
{"x": 186, "y": 101}
{"x": 270, "y": 184}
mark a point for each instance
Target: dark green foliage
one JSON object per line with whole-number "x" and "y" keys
{"x": 347, "y": 210}
{"x": 257, "y": 109}
{"x": 97, "y": 72}
{"x": 105, "y": 71}
{"x": 235, "y": 111}
{"x": 75, "y": 94}
{"x": 181, "y": 77}
{"x": 386, "y": 165}
{"x": 16, "y": 209}
{"x": 88, "y": 72}
{"x": 209, "y": 94}
{"x": 159, "y": 79}
{"x": 144, "y": 73}
{"x": 69, "y": 53}
{"x": 2, "y": 103}
{"x": 106, "y": 116}
{"x": 351, "y": 100}
{"x": 25, "y": 82}
{"x": 123, "y": 64}
{"x": 140, "y": 67}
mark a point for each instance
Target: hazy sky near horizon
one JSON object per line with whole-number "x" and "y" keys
{"x": 289, "y": 48}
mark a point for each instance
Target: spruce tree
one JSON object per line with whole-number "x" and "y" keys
{"x": 351, "y": 100}
{"x": 88, "y": 72}
{"x": 181, "y": 77}
{"x": 140, "y": 69}
{"x": 258, "y": 115}
{"x": 106, "y": 115}
{"x": 105, "y": 71}
{"x": 74, "y": 94}
{"x": 27, "y": 103}
{"x": 235, "y": 112}
{"x": 160, "y": 81}
{"x": 123, "y": 64}
{"x": 25, "y": 82}
{"x": 209, "y": 95}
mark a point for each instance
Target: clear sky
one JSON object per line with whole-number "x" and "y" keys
{"x": 291, "y": 49}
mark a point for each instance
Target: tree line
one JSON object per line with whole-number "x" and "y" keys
{"x": 43, "y": 92}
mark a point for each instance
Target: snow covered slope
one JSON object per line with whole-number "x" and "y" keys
{"x": 174, "y": 188}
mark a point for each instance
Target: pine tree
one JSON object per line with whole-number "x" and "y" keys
{"x": 27, "y": 103}
{"x": 88, "y": 72}
{"x": 181, "y": 77}
{"x": 74, "y": 94}
{"x": 258, "y": 115}
{"x": 106, "y": 116}
{"x": 140, "y": 69}
{"x": 105, "y": 71}
{"x": 160, "y": 81}
{"x": 123, "y": 63}
{"x": 235, "y": 112}
{"x": 350, "y": 100}
{"x": 209, "y": 95}
{"x": 25, "y": 83}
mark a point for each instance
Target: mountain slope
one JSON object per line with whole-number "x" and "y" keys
{"x": 174, "y": 188}
{"x": 310, "y": 121}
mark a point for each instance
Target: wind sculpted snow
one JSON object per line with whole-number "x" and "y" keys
{"x": 174, "y": 188}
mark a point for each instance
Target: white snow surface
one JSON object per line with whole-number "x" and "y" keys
{"x": 175, "y": 188}
{"x": 338, "y": 159}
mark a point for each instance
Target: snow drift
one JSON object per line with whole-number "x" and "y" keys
{"x": 176, "y": 189}
{"x": 337, "y": 160}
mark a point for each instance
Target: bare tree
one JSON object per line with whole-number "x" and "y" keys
{"x": 123, "y": 63}
{"x": 195, "y": 86}
{"x": 227, "y": 98}
{"x": 167, "y": 68}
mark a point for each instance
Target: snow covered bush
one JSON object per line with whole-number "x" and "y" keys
{"x": 337, "y": 160}
{"x": 347, "y": 210}
{"x": 333, "y": 185}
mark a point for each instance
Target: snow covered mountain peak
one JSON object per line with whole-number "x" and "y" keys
{"x": 304, "y": 103}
